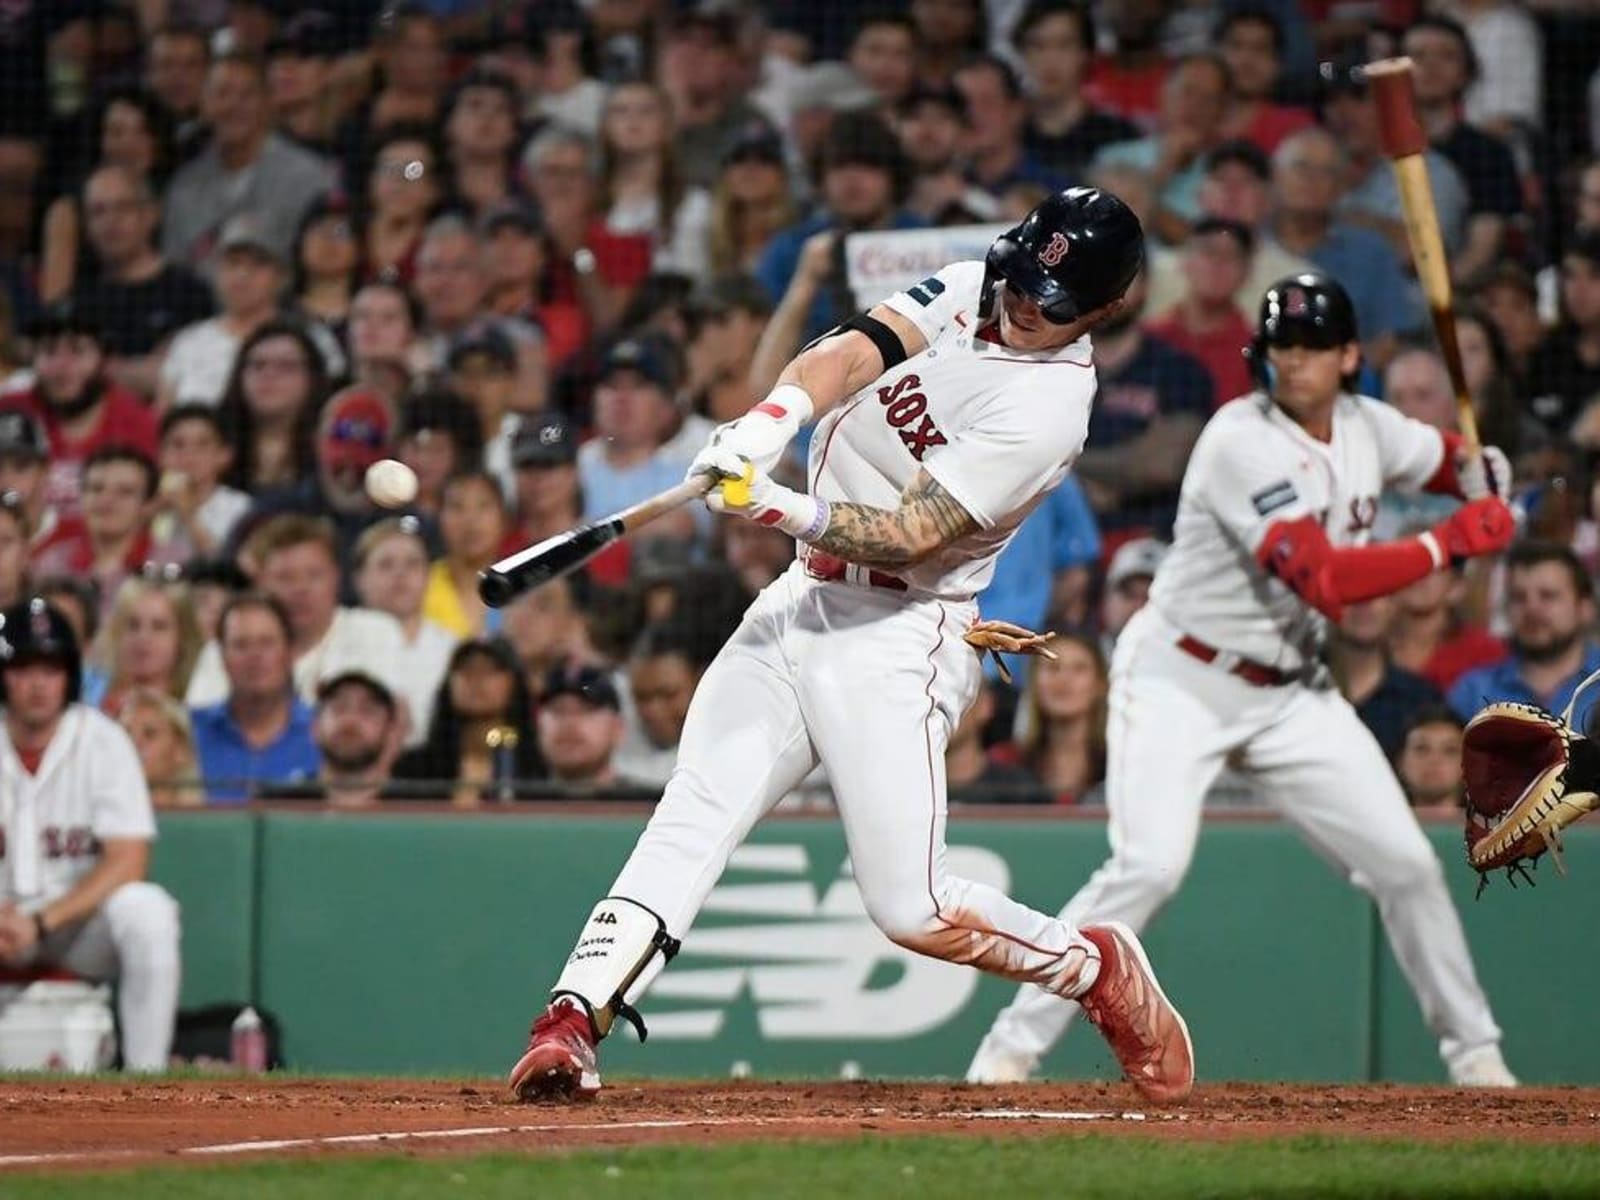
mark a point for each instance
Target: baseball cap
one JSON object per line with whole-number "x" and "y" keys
{"x": 22, "y": 437}
{"x": 643, "y": 356}
{"x": 513, "y": 214}
{"x": 356, "y": 429}
{"x": 488, "y": 341}
{"x": 589, "y": 684}
{"x": 244, "y": 232}
{"x": 333, "y": 681}
{"x": 1138, "y": 556}
{"x": 544, "y": 440}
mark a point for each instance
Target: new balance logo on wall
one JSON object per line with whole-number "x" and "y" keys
{"x": 809, "y": 961}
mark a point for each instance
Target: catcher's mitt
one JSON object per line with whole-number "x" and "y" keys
{"x": 1528, "y": 776}
{"x": 1002, "y": 637}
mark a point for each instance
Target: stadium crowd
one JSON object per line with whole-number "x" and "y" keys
{"x": 538, "y": 250}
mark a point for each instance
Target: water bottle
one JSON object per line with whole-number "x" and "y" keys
{"x": 249, "y": 1043}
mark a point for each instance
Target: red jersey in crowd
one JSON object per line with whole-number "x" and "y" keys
{"x": 124, "y": 420}
{"x": 1470, "y": 646}
{"x": 1220, "y": 351}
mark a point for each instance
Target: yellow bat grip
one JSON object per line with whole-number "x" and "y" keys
{"x": 736, "y": 492}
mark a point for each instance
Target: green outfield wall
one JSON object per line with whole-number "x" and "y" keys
{"x": 421, "y": 942}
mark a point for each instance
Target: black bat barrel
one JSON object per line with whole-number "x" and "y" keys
{"x": 525, "y": 570}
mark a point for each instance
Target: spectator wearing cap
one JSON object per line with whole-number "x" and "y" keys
{"x": 1251, "y": 41}
{"x": 700, "y": 67}
{"x": 1056, "y": 42}
{"x": 883, "y": 55}
{"x": 111, "y": 539}
{"x": 1152, "y": 402}
{"x": 1237, "y": 187}
{"x": 483, "y": 372}
{"x": 1445, "y": 67}
{"x": 932, "y": 125}
{"x": 580, "y": 729}
{"x": 259, "y": 730}
{"x": 549, "y": 501}
{"x": 382, "y": 336}
{"x": 137, "y": 299}
{"x": 195, "y": 512}
{"x": 296, "y": 563}
{"x": 473, "y": 525}
{"x": 250, "y": 279}
{"x": 480, "y": 744}
{"x": 623, "y": 463}
{"x": 390, "y": 564}
{"x": 1371, "y": 196}
{"x": 1194, "y": 97}
{"x": 996, "y": 116}
{"x": 453, "y": 289}
{"x": 300, "y": 69}
{"x": 642, "y": 188}
{"x": 78, "y": 407}
{"x": 1127, "y": 584}
{"x": 356, "y": 727}
{"x": 517, "y": 261}
{"x": 1308, "y": 171}
{"x": 1565, "y": 375}
{"x": 865, "y": 179}
{"x": 438, "y": 437}
{"x": 751, "y": 203}
{"x": 404, "y": 186}
{"x": 24, "y": 471}
{"x": 482, "y": 133}
{"x": 663, "y": 669}
{"x": 725, "y": 324}
{"x": 1206, "y": 322}
{"x": 246, "y": 168}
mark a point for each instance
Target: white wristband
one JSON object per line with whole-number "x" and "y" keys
{"x": 804, "y": 517}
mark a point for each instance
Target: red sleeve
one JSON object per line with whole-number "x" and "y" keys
{"x": 1328, "y": 577}
{"x": 1445, "y": 481}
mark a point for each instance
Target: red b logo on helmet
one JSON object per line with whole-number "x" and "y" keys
{"x": 1295, "y": 303}
{"x": 1056, "y": 250}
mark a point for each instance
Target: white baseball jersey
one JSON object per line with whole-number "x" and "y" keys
{"x": 1255, "y": 466}
{"x": 89, "y": 787}
{"x": 996, "y": 429}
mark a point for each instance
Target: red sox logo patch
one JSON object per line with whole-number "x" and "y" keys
{"x": 905, "y": 408}
{"x": 1294, "y": 302}
{"x": 1055, "y": 250}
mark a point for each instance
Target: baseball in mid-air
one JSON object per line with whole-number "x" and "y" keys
{"x": 391, "y": 483}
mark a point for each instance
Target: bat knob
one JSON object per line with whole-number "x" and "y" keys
{"x": 495, "y": 588}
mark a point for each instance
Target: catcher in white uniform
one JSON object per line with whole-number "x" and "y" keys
{"x": 947, "y": 413}
{"x": 1270, "y": 543}
{"x": 75, "y": 833}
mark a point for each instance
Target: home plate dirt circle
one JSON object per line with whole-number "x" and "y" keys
{"x": 67, "y": 1124}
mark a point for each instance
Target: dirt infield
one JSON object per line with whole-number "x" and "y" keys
{"x": 72, "y": 1124}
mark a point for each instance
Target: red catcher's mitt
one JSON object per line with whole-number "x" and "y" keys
{"x": 1528, "y": 776}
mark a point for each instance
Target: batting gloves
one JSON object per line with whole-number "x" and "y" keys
{"x": 1483, "y": 526}
{"x": 763, "y": 433}
{"x": 749, "y": 492}
{"x": 1486, "y": 473}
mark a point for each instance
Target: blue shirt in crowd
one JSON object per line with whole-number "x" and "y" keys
{"x": 1364, "y": 263}
{"x": 1503, "y": 681}
{"x": 227, "y": 758}
{"x": 782, "y": 255}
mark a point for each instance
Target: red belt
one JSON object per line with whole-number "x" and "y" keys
{"x": 1255, "y": 673}
{"x": 831, "y": 570}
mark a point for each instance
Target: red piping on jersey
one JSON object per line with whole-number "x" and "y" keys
{"x": 822, "y": 459}
{"x": 1445, "y": 481}
{"x": 1328, "y": 577}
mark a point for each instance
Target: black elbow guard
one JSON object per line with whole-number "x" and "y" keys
{"x": 890, "y": 347}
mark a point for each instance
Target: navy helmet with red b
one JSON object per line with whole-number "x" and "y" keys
{"x": 1076, "y": 252}
{"x": 34, "y": 631}
{"x": 1310, "y": 310}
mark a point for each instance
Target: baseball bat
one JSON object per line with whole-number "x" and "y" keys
{"x": 504, "y": 581}
{"x": 1393, "y": 91}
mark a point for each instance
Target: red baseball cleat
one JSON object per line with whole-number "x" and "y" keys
{"x": 560, "y": 1062}
{"x": 1144, "y": 1030}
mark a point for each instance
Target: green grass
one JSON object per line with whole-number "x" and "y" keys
{"x": 965, "y": 1167}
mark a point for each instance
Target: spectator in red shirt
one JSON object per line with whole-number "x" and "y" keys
{"x": 1206, "y": 322}
{"x": 1431, "y": 638}
{"x": 111, "y": 540}
{"x": 1129, "y": 80}
{"x": 78, "y": 405}
{"x": 1251, "y": 42}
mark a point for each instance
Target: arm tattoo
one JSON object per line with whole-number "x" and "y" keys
{"x": 928, "y": 519}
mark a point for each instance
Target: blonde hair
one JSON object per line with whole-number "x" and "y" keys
{"x": 177, "y": 718}
{"x": 189, "y": 639}
{"x": 1038, "y": 727}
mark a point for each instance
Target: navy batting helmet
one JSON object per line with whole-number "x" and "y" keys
{"x": 1308, "y": 310}
{"x": 1076, "y": 252}
{"x": 34, "y": 631}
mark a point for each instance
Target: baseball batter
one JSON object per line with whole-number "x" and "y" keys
{"x": 1270, "y": 543}
{"x": 75, "y": 833}
{"x": 946, "y": 414}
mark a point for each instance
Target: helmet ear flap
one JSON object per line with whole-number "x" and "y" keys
{"x": 1261, "y": 368}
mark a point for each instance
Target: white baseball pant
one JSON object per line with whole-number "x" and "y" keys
{"x": 870, "y": 682}
{"x": 133, "y": 940}
{"x": 1173, "y": 720}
